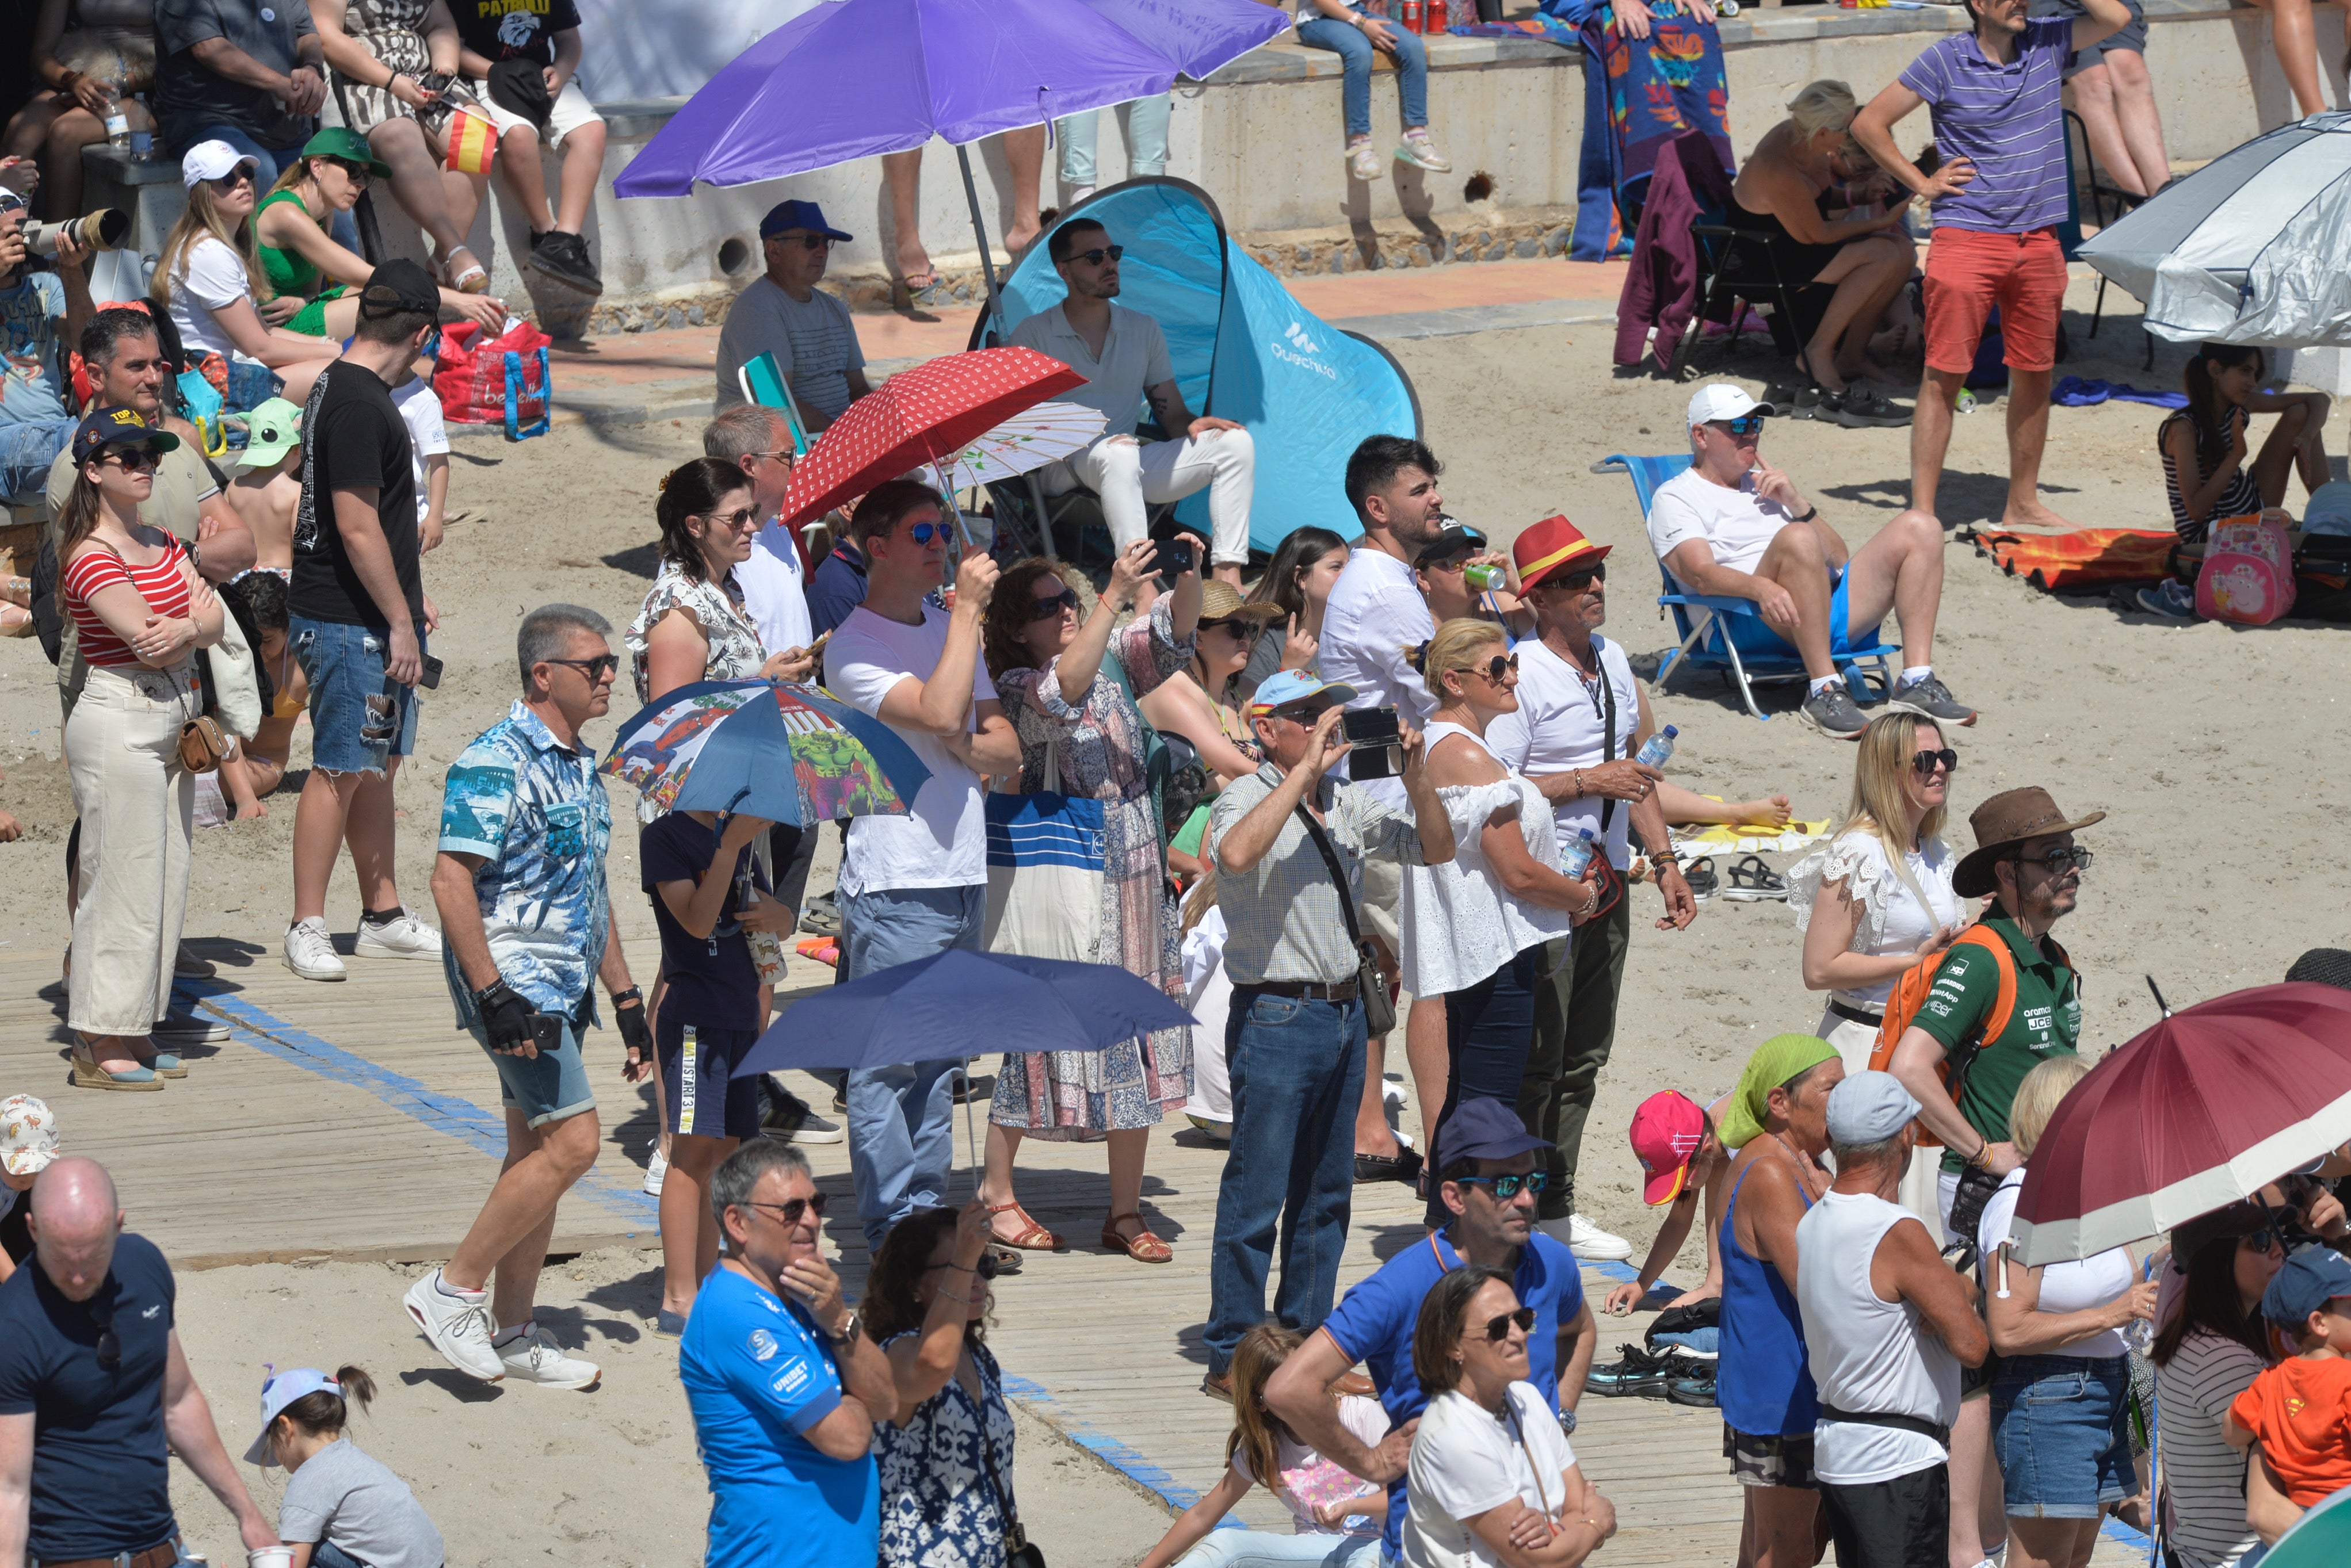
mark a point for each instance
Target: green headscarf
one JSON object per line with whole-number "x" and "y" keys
{"x": 1775, "y": 1061}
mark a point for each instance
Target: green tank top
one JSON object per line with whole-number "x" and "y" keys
{"x": 286, "y": 271}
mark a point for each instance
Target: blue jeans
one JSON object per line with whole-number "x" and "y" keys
{"x": 361, "y": 717}
{"x": 272, "y": 162}
{"x": 902, "y": 1119}
{"x": 1297, "y": 1070}
{"x": 1144, "y": 123}
{"x": 1354, "y": 52}
{"x": 1489, "y": 1028}
{"x": 327, "y": 1554}
{"x": 26, "y": 451}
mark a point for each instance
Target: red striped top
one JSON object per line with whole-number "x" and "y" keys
{"x": 97, "y": 567}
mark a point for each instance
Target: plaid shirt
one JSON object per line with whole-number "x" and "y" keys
{"x": 1283, "y": 918}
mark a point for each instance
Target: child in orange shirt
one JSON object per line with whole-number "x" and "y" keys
{"x": 2300, "y": 1410}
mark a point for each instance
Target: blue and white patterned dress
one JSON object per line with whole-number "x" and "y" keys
{"x": 939, "y": 1507}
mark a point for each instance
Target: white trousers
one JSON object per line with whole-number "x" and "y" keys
{"x": 1129, "y": 476}
{"x": 122, "y": 751}
{"x": 1853, "y": 1043}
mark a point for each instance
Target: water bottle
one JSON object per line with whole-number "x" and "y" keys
{"x": 142, "y": 131}
{"x": 117, "y": 123}
{"x": 1660, "y": 747}
{"x": 1579, "y": 855}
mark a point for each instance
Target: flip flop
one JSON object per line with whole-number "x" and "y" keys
{"x": 931, "y": 292}
{"x": 1751, "y": 881}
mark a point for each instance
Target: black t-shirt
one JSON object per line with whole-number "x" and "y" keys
{"x": 16, "y": 1237}
{"x": 711, "y": 981}
{"x": 513, "y": 29}
{"x": 101, "y": 1481}
{"x": 354, "y": 439}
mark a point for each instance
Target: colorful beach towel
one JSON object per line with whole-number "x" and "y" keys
{"x": 2085, "y": 558}
{"x": 1638, "y": 95}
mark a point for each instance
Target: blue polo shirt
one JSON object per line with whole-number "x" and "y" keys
{"x": 757, "y": 1376}
{"x": 1374, "y": 1325}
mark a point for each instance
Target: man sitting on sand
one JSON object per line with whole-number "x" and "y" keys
{"x": 1737, "y": 528}
{"x": 269, "y": 484}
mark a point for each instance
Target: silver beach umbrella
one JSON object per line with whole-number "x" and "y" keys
{"x": 2254, "y": 247}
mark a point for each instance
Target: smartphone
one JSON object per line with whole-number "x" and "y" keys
{"x": 431, "y": 678}
{"x": 1374, "y": 734}
{"x": 1173, "y": 559}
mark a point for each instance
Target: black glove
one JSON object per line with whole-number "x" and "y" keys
{"x": 635, "y": 1035}
{"x": 506, "y": 1017}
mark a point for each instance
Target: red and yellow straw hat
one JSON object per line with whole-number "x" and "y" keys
{"x": 1550, "y": 545}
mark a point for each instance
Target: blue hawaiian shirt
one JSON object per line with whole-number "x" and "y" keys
{"x": 534, "y": 809}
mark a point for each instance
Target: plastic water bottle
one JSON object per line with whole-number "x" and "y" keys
{"x": 117, "y": 123}
{"x": 1579, "y": 855}
{"x": 1660, "y": 747}
{"x": 142, "y": 131}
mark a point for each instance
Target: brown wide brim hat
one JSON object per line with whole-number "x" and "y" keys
{"x": 2005, "y": 820}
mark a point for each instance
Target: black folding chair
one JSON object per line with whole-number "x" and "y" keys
{"x": 2107, "y": 202}
{"x": 1739, "y": 269}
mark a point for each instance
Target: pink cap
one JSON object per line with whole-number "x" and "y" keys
{"x": 1668, "y": 1129}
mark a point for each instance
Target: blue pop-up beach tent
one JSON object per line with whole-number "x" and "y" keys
{"x": 1243, "y": 349}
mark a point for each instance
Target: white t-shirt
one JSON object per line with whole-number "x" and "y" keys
{"x": 774, "y": 594}
{"x": 1558, "y": 726}
{"x": 1322, "y": 1479}
{"x": 2064, "y": 1287}
{"x": 1375, "y": 613}
{"x": 944, "y": 842}
{"x": 1736, "y": 526}
{"x": 210, "y": 275}
{"x": 2193, "y": 1391}
{"x": 1892, "y": 920}
{"x": 1465, "y": 1463}
{"x": 428, "y": 435}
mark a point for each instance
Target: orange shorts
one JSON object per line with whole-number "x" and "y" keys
{"x": 1968, "y": 273}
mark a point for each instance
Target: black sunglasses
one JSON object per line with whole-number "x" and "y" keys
{"x": 987, "y": 1267}
{"x": 2058, "y": 860}
{"x": 807, "y": 242}
{"x": 1923, "y": 763}
{"x": 1500, "y": 1325}
{"x": 1049, "y": 609}
{"x": 2258, "y": 1241}
{"x": 240, "y": 175}
{"x": 1507, "y": 1187}
{"x": 1100, "y": 253}
{"x": 133, "y": 459}
{"x": 1499, "y": 666}
{"x": 594, "y": 668}
{"x": 358, "y": 172}
{"x": 791, "y": 1209}
{"x": 1579, "y": 581}
{"x": 109, "y": 1347}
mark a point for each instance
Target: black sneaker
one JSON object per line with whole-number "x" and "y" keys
{"x": 1637, "y": 1373}
{"x": 1699, "y": 1391}
{"x": 1862, "y": 408}
{"x": 1831, "y": 710}
{"x": 1930, "y": 698}
{"x": 790, "y": 1118}
{"x": 564, "y": 257}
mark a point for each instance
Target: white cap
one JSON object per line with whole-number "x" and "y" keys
{"x": 279, "y": 1389}
{"x": 1869, "y": 1107}
{"x": 213, "y": 160}
{"x": 1719, "y": 402}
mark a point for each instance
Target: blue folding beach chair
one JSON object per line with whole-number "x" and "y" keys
{"x": 1728, "y": 634}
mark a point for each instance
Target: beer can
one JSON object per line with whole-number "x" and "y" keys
{"x": 1412, "y": 16}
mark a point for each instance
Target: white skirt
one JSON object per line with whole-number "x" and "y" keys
{"x": 1853, "y": 1043}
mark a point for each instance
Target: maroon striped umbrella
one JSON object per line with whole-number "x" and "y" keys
{"x": 2200, "y": 1111}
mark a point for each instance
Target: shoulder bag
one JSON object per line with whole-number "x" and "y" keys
{"x": 1045, "y": 870}
{"x": 1019, "y": 1552}
{"x": 1370, "y": 985}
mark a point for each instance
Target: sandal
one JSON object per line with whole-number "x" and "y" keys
{"x": 1701, "y": 875}
{"x": 1033, "y": 1236}
{"x": 468, "y": 279}
{"x": 1144, "y": 1247}
{"x": 1751, "y": 881}
{"x": 88, "y": 1074}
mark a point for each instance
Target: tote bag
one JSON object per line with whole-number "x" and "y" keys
{"x": 1045, "y": 871}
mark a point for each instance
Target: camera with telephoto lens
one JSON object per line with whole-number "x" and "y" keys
{"x": 1373, "y": 733}
{"x": 104, "y": 229}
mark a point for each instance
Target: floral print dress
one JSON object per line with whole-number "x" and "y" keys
{"x": 1082, "y": 1095}
{"x": 940, "y": 1506}
{"x": 717, "y": 609}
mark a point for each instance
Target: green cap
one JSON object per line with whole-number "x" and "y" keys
{"x": 341, "y": 141}
{"x": 272, "y": 429}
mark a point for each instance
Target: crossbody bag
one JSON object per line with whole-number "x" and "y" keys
{"x": 1370, "y": 985}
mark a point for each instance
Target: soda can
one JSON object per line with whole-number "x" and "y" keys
{"x": 1433, "y": 16}
{"x": 1412, "y": 16}
{"x": 1484, "y": 575}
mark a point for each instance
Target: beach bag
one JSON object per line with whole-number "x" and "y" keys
{"x": 1045, "y": 871}
{"x": 1909, "y": 994}
{"x": 504, "y": 378}
{"x": 2248, "y": 575}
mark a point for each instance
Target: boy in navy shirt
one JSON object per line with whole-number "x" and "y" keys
{"x": 706, "y": 892}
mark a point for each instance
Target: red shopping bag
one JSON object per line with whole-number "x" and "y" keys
{"x": 472, "y": 380}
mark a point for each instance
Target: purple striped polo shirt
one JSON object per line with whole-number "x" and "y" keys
{"x": 2007, "y": 120}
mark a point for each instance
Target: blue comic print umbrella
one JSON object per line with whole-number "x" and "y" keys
{"x": 761, "y": 748}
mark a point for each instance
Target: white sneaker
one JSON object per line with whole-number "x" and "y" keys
{"x": 189, "y": 1028}
{"x": 1363, "y": 161}
{"x": 532, "y": 1358}
{"x": 1586, "y": 1239}
{"x": 310, "y": 951}
{"x": 1391, "y": 1092}
{"x": 655, "y": 1169}
{"x": 1417, "y": 148}
{"x": 458, "y": 1326}
{"x": 402, "y": 936}
{"x": 1081, "y": 193}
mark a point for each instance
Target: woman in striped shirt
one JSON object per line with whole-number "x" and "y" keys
{"x": 141, "y": 611}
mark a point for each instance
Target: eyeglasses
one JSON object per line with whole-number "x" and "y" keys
{"x": 1507, "y": 1187}
{"x": 1500, "y": 666}
{"x": 1923, "y": 763}
{"x": 1052, "y": 605}
{"x": 1500, "y": 1326}
{"x": 791, "y": 1209}
{"x": 1099, "y": 254}
{"x": 806, "y": 241}
{"x": 2059, "y": 860}
{"x": 594, "y": 668}
{"x": 431, "y": 347}
{"x": 133, "y": 459}
{"x": 1745, "y": 425}
{"x": 783, "y": 454}
{"x": 986, "y": 1266}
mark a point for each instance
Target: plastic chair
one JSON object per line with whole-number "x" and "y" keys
{"x": 762, "y": 380}
{"x": 1727, "y": 635}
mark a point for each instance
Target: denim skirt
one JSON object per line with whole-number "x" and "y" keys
{"x": 2057, "y": 1425}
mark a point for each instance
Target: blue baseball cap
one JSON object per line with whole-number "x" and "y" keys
{"x": 796, "y": 215}
{"x": 1485, "y": 1129}
{"x": 2305, "y": 1284}
{"x": 117, "y": 425}
{"x": 1289, "y": 686}
{"x": 278, "y": 1391}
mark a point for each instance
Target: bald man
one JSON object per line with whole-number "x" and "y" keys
{"x": 95, "y": 1391}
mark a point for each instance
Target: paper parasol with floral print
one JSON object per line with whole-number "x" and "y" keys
{"x": 1029, "y": 440}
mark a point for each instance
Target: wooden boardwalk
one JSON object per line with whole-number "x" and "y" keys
{"x": 353, "y": 1121}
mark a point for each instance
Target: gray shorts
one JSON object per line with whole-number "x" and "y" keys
{"x": 2132, "y": 38}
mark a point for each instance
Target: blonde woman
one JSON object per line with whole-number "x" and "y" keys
{"x": 1845, "y": 235}
{"x": 208, "y": 276}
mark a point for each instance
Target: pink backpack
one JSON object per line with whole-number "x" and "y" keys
{"x": 2248, "y": 575}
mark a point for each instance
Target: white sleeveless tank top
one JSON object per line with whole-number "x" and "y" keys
{"x": 1866, "y": 1354}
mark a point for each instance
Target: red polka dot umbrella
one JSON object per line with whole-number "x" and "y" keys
{"x": 2203, "y": 1109}
{"x": 916, "y": 417}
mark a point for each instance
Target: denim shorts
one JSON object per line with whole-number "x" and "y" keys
{"x": 360, "y": 716}
{"x": 2057, "y": 1425}
{"x": 546, "y": 1088}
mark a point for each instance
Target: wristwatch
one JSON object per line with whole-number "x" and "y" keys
{"x": 848, "y": 1330}
{"x": 1809, "y": 513}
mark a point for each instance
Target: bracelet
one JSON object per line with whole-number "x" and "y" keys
{"x": 1665, "y": 857}
{"x": 1809, "y": 513}
{"x": 632, "y": 994}
{"x": 1593, "y": 905}
{"x": 950, "y": 1295}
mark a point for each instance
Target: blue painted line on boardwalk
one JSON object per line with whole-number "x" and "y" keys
{"x": 485, "y": 1130}
{"x": 1123, "y": 1458}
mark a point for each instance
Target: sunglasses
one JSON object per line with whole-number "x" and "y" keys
{"x": 356, "y": 173}
{"x": 109, "y": 1345}
{"x": 594, "y": 668}
{"x": 2057, "y": 860}
{"x": 986, "y": 1266}
{"x": 133, "y": 459}
{"x": 1507, "y": 1187}
{"x": 240, "y": 175}
{"x": 925, "y": 533}
{"x": 1499, "y": 666}
{"x": 1051, "y": 607}
{"x": 741, "y": 517}
{"x": 791, "y": 1209}
{"x": 1923, "y": 763}
{"x": 2258, "y": 1241}
{"x": 1743, "y": 426}
{"x": 806, "y": 241}
{"x": 1099, "y": 254}
{"x": 1499, "y": 1326}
